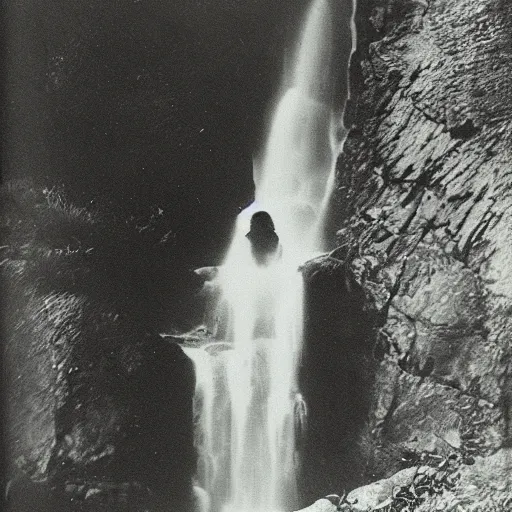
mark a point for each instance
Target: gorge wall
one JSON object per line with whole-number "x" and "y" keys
{"x": 423, "y": 218}
{"x": 97, "y": 406}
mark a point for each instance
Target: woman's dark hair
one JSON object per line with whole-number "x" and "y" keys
{"x": 262, "y": 221}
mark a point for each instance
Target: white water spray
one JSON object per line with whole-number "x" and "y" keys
{"x": 248, "y": 402}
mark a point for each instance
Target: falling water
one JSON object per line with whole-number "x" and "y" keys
{"x": 250, "y": 413}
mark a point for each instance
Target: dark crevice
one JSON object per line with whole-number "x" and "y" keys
{"x": 461, "y": 197}
{"x": 476, "y": 236}
{"x": 465, "y": 130}
{"x": 415, "y": 74}
{"x": 478, "y": 198}
{"x": 427, "y": 116}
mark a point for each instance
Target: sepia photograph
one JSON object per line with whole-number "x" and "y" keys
{"x": 256, "y": 256}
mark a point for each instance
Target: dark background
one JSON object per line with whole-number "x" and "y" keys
{"x": 141, "y": 103}
{"x": 150, "y": 112}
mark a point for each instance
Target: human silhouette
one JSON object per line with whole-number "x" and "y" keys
{"x": 264, "y": 240}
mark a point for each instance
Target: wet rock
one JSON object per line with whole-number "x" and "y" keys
{"x": 485, "y": 485}
{"x": 24, "y": 495}
{"x": 335, "y": 373}
{"x": 322, "y": 505}
{"x": 92, "y": 398}
{"x": 421, "y": 194}
{"x": 371, "y": 496}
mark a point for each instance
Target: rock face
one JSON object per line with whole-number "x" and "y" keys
{"x": 334, "y": 377}
{"x": 98, "y": 408}
{"x": 481, "y": 487}
{"x": 99, "y": 412}
{"x": 322, "y": 505}
{"x": 423, "y": 210}
{"x": 378, "y": 493}
{"x": 485, "y": 486}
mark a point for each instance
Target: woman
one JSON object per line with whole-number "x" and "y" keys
{"x": 264, "y": 240}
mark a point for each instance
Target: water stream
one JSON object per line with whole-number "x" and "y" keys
{"x": 249, "y": 408}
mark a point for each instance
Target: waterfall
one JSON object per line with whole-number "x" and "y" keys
{"x": 249, "y": 409}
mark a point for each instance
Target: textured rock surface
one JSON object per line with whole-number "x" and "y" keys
{"x": 423, "y": 207}
{"x": 483, "y": 487}
{"x": 322, "y": 505}
{"x": 98, "y": 410}
{"x": 375, "y": 494}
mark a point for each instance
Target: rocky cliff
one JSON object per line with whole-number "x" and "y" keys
{"x": 423, "y": 215}
{"x": 97, "y": 407}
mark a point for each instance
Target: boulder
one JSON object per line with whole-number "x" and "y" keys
{"x": 370, "y": 496}
{"x": 322, "y": 505}
{"x": 94, "y": 402}
{"x": 335, "y": 376}
{"x": 485, "y": 485}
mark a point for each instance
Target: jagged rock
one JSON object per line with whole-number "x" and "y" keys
{"x": 371, "y": 496}
{"x": 322, "y": 505}
{"x": 423, "y": 212}
{"x": 485, "y": 486}
{"x": 93, "y": 401}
